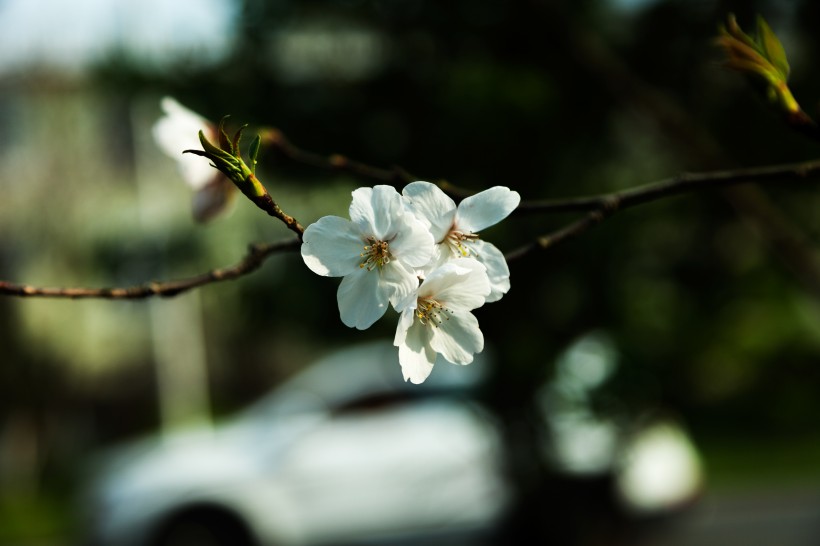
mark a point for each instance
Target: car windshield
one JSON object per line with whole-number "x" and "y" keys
{"x": 363, "y": 373}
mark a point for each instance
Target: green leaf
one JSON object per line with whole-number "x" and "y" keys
{"x": 772, "y": 48}
{"x": 254, "y": 152}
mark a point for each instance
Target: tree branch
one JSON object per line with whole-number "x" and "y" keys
{"x": 602, "y": 206}
{"x": 255, "y": 257}
{"x": 598, "y": 207}
{"x": 682, "y": 183}
{"x": 784, "y": 239}
{"x": 334, "y": 162}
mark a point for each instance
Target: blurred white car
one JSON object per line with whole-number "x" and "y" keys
{"x": 345, "y": 452}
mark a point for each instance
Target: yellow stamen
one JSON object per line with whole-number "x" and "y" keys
{"x": 457, "y": 239}
{"x": 376, "y": 254}
{"x": 431, "y": 311}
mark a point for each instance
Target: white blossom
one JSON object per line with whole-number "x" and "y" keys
{"x": 437, "y": 318}
{"x": 377, "y": 251}
{"x": 177, "y": 130}
{"x": 455, "y": 228}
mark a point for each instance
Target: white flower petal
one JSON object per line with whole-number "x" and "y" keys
{"x": 412, "y": 244}
{"x": 459, "y": 284}
{"x": 213, "y": 198}
{"x": 406, "y": 318}
{"x": 178, "y": 126}
{"x": 432, "y": 205}
{"x": 458, "y": 338}
{"x": 375, "y": 209}
{"x": 332, "y": 247}
{"x": 415, "y": 354}
{"x": 177, "y": 131}
{"x": 409, "y": 300}
{"x": 361, "y": 299}
{"x": 497, "y": 269}
{"x": 398, "y": 282}
{"x": 441, "y": 255}
{"x": 485, "y": 209}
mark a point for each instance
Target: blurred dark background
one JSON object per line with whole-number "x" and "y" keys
{"x": 713, "y": 318}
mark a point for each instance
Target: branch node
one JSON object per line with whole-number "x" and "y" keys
{"x": 611, "y": 204}
{"x": 338, "y": 161}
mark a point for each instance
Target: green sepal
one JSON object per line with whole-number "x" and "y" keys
{"x": 772, "y": 48}
{"x": 227, "y": 158}
{"x": 236, "y": 138}
{"x": 224, "y": 140}
{"x": 209, "y": 148}
{"x": 763, "y": 56}
{"x": 734, "y": 30}
{"x": 223, "y": 160}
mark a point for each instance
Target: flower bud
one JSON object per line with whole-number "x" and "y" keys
{"x": 227, "y": 158}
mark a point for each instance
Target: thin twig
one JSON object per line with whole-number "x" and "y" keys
{"x": 255, "y": 257}
{"x": 267, "y": 204}
{"x": 599, "y": 207}
{"x": 602, "y": 206}
{"x": 784, "y": 238}
{"x": 676, "y": 185}
{"x": 334, "y": 162}
{"x": 570, "y": 231}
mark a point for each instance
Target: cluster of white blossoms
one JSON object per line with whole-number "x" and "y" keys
{"x": 416, "y": 251}
{"x": 420, "y": 253}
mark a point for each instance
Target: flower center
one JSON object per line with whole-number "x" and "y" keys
{"x": 431, "y": 311}
{"x": 376, "y": 254}
{"x": 457, "y": 240}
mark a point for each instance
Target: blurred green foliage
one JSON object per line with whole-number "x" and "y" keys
{"x": 549, "y": 98}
